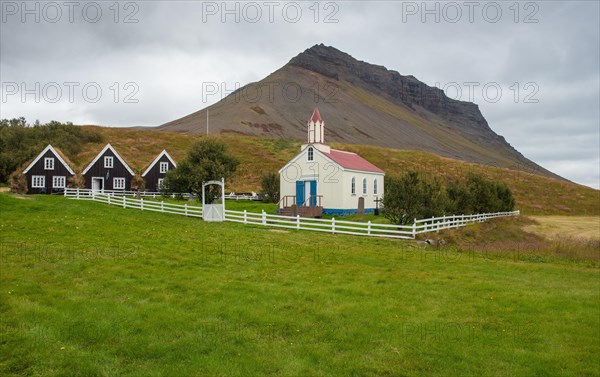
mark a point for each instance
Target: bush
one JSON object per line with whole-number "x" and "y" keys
{"x": 269, "y": 188}
{"x": 18, "y": 183}
{"x": 207, "y": 160}
{"x": 76, "y": 181}
{"x": 138, "y": 183}
{"x": 412, "y": 197}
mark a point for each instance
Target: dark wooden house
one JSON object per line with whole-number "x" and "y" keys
{"x": 108, "y": 171}
{"x": 157, "y": 170}
{"x": 48, "y": 173}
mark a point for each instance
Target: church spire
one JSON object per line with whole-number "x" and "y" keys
{"x": 316, "y": 128}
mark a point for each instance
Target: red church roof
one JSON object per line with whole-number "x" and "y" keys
{"x": 316, "y": 116}
{"x": 352, "y": 161}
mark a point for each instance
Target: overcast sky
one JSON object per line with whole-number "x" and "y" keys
{"x": 532, "y": 67}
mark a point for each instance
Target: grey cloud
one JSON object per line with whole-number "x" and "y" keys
{"x": 170, "y": 52}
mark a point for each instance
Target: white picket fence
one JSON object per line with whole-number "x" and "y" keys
{"x": 141, "y": 204}
{"x": 88, "y": 194}
{"x": 295, "y": 222}
{"x": 361, "y": 228}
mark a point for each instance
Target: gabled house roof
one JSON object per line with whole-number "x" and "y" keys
{"x": 346, "y": 160}
{"x": 163, "y": 153}
{"x": 107, "y": 147}
{"x": 56, "y": 153}
{"x": 352, "y": 161}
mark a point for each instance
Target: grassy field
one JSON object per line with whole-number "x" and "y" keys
{"x": 569, "y": 226}
{"x": 93, "y": 290}
{"x": 535, "y": 194}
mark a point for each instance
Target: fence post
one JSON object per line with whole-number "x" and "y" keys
{"x": 298, "y": 222}
{"x": 142, "y": 204}
{"x": 124, "y": 202}
{"x": 108, "y": 199}
{"x": 333, "y": 225}
{"x": 369, "y": 228}
{"x": 77, "y": 192}
{"x": 264, "y": 217}
{"x": 162, "y": 206}
{"x": 414, "y": 230}
{"x": 185, "y": 209}
{"x": 245, "y": 217}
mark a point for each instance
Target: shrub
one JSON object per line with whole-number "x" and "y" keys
{"x": 18, "y": 183}
{"x": 411, "y": 196}
{"x": 269, "y": 188}
{"x": 76, "y": 181}
{"x": 207, "y": 160}
{"x": 138, "y": 183}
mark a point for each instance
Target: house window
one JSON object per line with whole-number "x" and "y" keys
{"x": 108, "y": 162}
{"x": 58, "y": 182}
{"x": 48, "y": 163}
{"x": 38, "y": 181}
{"x": 118, "y": 183}
{"x": 160, "y": 183}
{"x": 311, "y": 154}
{"x": 353, "y": 185}
{"x": 164, "y": 167}
{"x": 375, "y": 186}
{"x": 364, "y": 186}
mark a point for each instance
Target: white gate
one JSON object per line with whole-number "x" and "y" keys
{"x": 213, "y": 212}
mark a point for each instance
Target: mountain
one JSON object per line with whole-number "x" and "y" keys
{"x": 361, "y": 103}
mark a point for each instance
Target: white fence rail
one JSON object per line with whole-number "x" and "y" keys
{"x": 361, "y": 228}
{"x": 143, "y": 205}
{"x": 296, "y": 222}
{"x": 88, "y": 194}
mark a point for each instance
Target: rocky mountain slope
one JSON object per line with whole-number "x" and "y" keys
{"x": 361, "y": 103}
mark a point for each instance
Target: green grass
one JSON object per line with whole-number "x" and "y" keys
{"x": 89, "y": 289}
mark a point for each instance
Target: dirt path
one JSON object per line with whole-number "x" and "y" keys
{"x": 571, "y": 226}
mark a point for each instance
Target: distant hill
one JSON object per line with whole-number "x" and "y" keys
{"x": 362, "y": 104}
{"x": 534, "y": 194}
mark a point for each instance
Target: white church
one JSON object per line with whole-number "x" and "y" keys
{"x": 322, "y": 180}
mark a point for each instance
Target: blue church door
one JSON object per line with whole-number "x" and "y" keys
{"x": 301, "y": 189}
{"x": 300, "y": 193}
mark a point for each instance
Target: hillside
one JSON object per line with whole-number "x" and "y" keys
{"x": 535, "y": 194}
{"x": 362, "y": 104}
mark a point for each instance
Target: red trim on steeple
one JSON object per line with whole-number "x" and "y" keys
{"x": 316, "y": 116}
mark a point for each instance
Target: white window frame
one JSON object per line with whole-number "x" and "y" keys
{"x": 48, "y": 163}
{"x": 159, "y": 183}
{"x": 120, "y": 186}
{"x": 164, "y": 165}
{"x": 62, "y": 181}
{"x": 365, "y": 186}
{"x": 353, "y": 186}
{"x": 375, "y": 186}
{"x": 38, "y": 181}
{"x": 310, "y": 154}
{"x": 111, "y": 164}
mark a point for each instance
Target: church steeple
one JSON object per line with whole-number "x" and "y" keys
{"x": 316, "y": 128}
